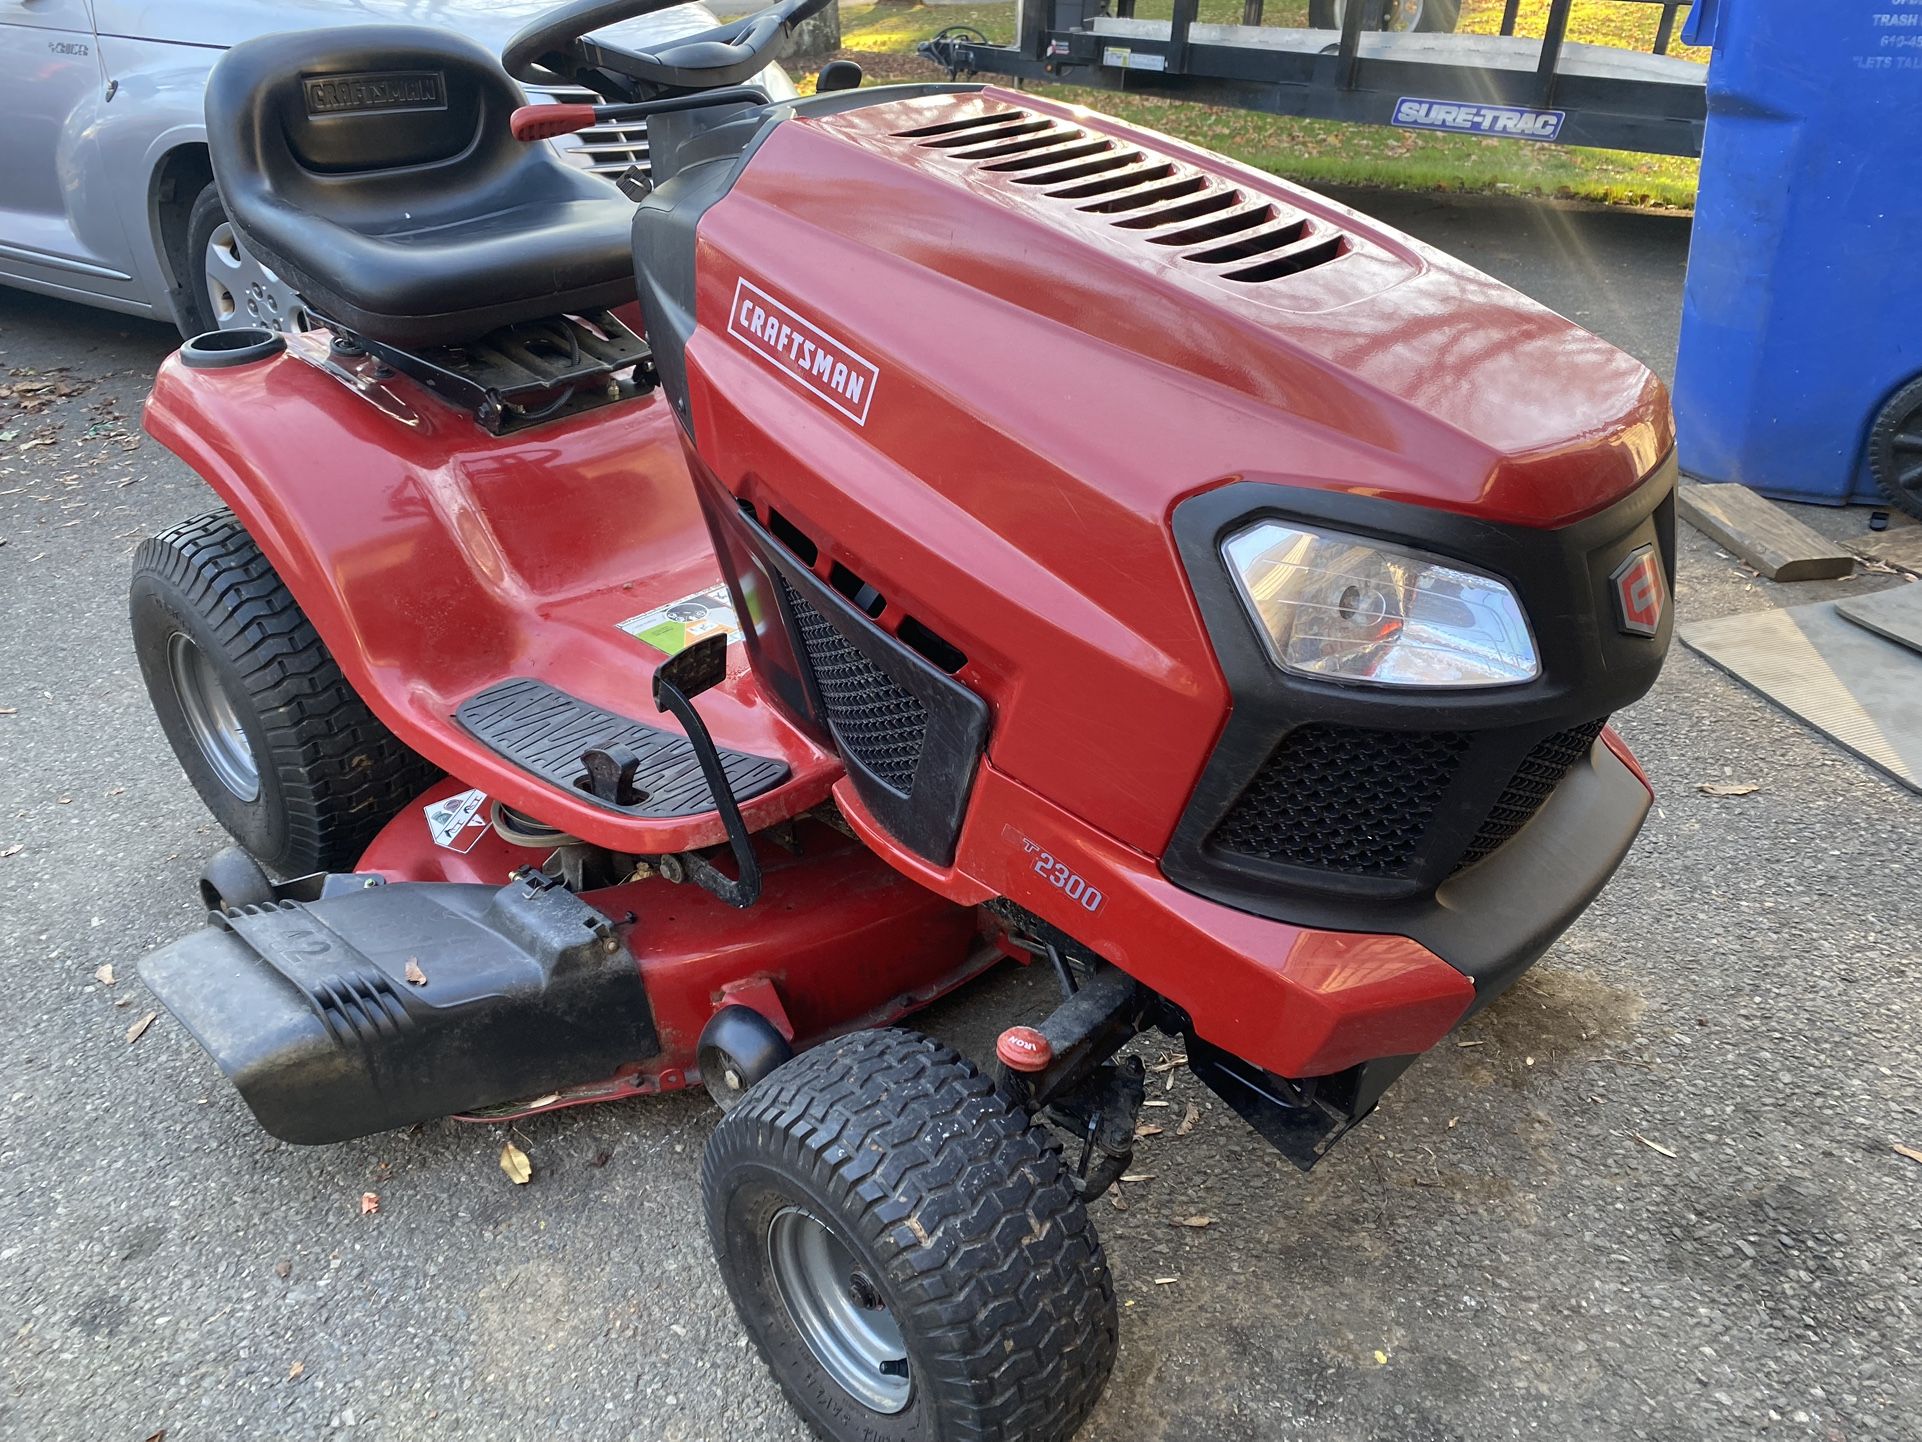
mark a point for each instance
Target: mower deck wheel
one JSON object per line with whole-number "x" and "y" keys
{"x": 907, "y": 1249}
{"x": 279, "y": 747}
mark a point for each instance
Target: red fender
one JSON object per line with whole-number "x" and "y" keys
{"x": 435, "y": 560}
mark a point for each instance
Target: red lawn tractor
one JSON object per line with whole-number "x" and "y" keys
{"x": 665, "y": 635}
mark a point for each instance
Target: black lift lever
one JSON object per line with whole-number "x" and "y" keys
{"x": 677, "y": 681}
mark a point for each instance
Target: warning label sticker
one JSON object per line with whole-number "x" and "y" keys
{"x": 673, "y": 628}
{"x": 456, "y": 821}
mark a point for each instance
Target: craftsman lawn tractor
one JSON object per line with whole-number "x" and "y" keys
{"x": 664, "y": 635}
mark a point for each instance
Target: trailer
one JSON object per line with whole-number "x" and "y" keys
{"x": 1551, "y": 90}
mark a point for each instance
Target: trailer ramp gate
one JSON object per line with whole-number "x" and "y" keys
{"x": 1551, "y": 90}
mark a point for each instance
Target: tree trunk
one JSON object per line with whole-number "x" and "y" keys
{"x": 819, "y": 35}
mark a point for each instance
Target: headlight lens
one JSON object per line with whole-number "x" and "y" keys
{"x": 1349, "y": 609}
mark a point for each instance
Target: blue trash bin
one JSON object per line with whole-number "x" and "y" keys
{"x": 1802, "y": 315}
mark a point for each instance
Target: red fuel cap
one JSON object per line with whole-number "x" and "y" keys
{"x": 1022, "y": 1048}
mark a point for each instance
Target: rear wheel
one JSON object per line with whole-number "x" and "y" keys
{"x": 1403, "y": 15}
{"x": 907, "y": 1249}
{"x": 279, "y": 747}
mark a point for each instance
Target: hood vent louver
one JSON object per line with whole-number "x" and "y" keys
{"x": 1208, "y": 222}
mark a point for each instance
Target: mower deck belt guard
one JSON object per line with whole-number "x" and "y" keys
{"x": 391, "y": 1005}
{"x": 544, "y": 730}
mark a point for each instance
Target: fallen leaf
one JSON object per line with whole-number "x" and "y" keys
{"x": 1465, "y": 1045}
{"x": 160, "y": 1436}
{"x": 1157, "y": 1104}
{"x": 1452, "y": 1121}
{"x": 369, "y": 1203}
{"x": 520, "y": 1171}
{"x": 1179, "y": 1059}
{"x": 13, "y": 850}
{"x": 1910, "y": 1152}
{"x": 283, "y": 1269}
{"x": 1728, "y": 788}
{"x": 546, "y": 1101}
{"x": 1381, "y": 1358}
{"x": 139, "y": 1028}
{"x": 1139, "y": 1177}
{"x": 1166, "y": 1281}
{"x": 1147, "y": 1131}
{"x": 415, "y": 976}
{"x": 9, "y": 710}
{"x": 1653, "y": 1146}
{"x": 295, "y": 1370}
{"x": 1116, "y": 1201}
{"x": 104, "y": 974}
{"x": 1195, "y": 1222}
{"x": 1188, "y": 1121}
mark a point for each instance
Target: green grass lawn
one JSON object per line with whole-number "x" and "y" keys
{"x": 883, "y": 36}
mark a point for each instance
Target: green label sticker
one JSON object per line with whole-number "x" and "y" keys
{"x": 674, "y": 627}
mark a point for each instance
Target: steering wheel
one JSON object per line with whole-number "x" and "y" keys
{"x": 556, "y": 48}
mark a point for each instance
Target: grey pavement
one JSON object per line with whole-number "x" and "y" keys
{"x": 1653, "y": 1193}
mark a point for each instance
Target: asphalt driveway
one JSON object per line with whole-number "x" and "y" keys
{"x": 1653, "y": 1193}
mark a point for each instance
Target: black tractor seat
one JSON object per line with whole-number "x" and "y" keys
{"x": 373, "y": 169}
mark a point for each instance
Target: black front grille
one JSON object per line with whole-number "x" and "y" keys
{"x": 1342, "y": 798}
{"x": 878, "y": 723}
{"x": 1534, "y": 781}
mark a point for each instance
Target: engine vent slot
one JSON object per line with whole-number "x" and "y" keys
{"x": 1053, "y": 155}
{"x": 1218, "y": 227}
{"x": 1026, "y": 138}
{"x": 1253, "y": 243}
{"x": 1206, "y": 204}
{"x": 1150, "y": 193}
{"x": 1012, "y": 128}
{"x": 1164, "y": 201}
{"x": 953, "y": 127}
{"x": 1121, "y": 177}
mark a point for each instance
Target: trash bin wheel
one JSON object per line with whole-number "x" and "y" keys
{"x": 907, "y": 1249}
{"x": 1895, "y": 448}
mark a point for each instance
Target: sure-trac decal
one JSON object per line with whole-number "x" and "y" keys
{"x": 800, "y": 348}
{"x": 1468, "y": 118}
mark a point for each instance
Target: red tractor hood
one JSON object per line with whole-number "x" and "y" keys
{"x": 1089, "y": 286}
{"x": 970, "y": 350}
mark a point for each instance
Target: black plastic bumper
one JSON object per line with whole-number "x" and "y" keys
{"x": 1491, "y": 922}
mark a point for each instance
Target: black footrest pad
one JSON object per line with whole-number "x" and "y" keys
{"x": 544, "y": 731}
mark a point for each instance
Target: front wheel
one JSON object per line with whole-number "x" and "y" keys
{"x": 1403, "y": 15}
{"x": 907, "y": 1250}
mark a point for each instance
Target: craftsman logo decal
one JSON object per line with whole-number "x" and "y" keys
{"x": 457, "y": 822}
{"x": 374, "y": 90}
{"x": 804, "y": 351}
{"x": 1469, "y": 119}
{"x": 1641, "y": 595}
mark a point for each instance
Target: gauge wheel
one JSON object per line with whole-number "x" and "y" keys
{"x": 1404, "y": 15}
{"x": 225, "y": 286}
{"x": 1895, "y": 448}
{"x": 279, "y": 747}
{"x": 907, "y": 1249}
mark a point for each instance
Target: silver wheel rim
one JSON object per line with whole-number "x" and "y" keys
{"x": 838, "y": 1312}
{"x": 243, "y": 291}
{"x": 1396, "y": 15}
{"x": 211, "y": 717}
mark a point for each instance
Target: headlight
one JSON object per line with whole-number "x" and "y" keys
{"x": 1349, "y": 609}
